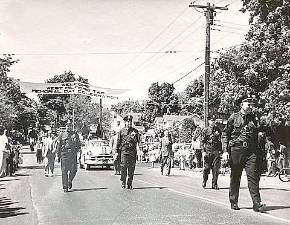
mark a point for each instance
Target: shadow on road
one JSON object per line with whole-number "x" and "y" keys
{"x": 8, "y": 180}
{"x": 276, "y": 189}
{"x": 6, "y": 209}
{"x": 143, "y": 188}
{"x": 271, "y": 208}
{"x": 87, "y": 189}
{"x": 33, "y": 167}
{"x": 22, "y": 175}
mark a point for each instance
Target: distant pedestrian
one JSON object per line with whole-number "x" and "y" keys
{"x": 271, "y": 158}
{"x": 3, "y": 151}
{"x": 49, "y": 155}
{"x": 127, "y": 146}
{"x": 211, "y": 140}
{"x": 116, "y": 157}
{"x": 39, "y": 150}
{"x": 166, "y": 152}
{"x": 242, "y": 144}
{"x": 33, "y": 137}
{"x": 196, "y": 145}
{"x": 68, "y": 146}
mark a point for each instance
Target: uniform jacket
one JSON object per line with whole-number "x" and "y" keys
{"x": 241, "y": 131}
{"x": 127, "y": 141}
{"x": 211, "y": 138}
{"x": 69, "y": 142}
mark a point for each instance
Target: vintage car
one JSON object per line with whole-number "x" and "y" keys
{"x": 96, "y": 152}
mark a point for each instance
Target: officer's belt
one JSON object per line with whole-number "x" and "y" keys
{"x": 67, "y": 150}
{"x": 241, "y": 144}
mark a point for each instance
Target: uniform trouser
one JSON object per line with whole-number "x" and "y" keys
{"x": 166, "y": 162}
{"x": 127, "y": 168}
{"x": 212, "y": 162}
{"x": 117, "y": 165}
{"x": 68, "y": 168}
{"x": 49, "y": 166}
{"x": 240, "y": 160}
{"x": 198, "y": 155}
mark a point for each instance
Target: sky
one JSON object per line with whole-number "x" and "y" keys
{"x": 115, "y": 44}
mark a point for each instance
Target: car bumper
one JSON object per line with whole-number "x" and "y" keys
{"x": 95, "y": 162}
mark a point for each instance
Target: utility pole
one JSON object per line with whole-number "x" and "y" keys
{"x": 209, "y": 12}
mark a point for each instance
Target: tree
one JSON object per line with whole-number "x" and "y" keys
{"x": 162, "y": 99}
{"x": 187, "y": 129}
{"x": 14, "y": 104}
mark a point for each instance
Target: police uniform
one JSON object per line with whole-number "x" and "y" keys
{"x": 211, "y": 140}
{"x": 128, "y": 139}
{"x": 241, "y": 142}
{"x": 68, "y": 146}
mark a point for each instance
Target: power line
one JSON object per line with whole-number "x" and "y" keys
{"x": 238, "y": 24}
{"x": 235, "y": 28}
{"x": 189, "y": 72}
{"x": 155, "y": 38}
{"x": 150, "y": 58}
{"x": 94, "y": 53}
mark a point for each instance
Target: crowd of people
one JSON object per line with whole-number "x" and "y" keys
{"x": 10, "y": 152}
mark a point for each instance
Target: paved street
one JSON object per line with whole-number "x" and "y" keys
{"x": 97, "y": 198}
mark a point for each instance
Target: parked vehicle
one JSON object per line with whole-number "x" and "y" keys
{"x": 96, "y": 152}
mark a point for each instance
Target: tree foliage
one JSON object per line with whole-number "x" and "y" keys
{"x": 15, "y": 108}
{"x": 260, "y": 65}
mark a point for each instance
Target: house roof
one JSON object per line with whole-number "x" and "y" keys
{"x": 174, "y": 117}
{"x": 158, "y": 119}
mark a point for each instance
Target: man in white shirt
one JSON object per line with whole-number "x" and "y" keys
{"x": 49, "y": 155}
{"x": 3, "y": 148}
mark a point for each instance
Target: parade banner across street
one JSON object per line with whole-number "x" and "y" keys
{"x": 70, "y": 88}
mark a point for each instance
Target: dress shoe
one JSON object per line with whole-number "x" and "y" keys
{"x": 69, "y": 185}
{"x": 259, "y": 207}
{"x": 65, "y": 190}
{"x": 203, "y": 184}
{"x": 123, "y": 185}
{"x": 130, "y": 187}
{"x": 235, "y": 206}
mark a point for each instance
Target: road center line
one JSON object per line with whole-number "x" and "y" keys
{"x": 215, "y": 202}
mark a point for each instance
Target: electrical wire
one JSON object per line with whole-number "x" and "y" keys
{"x": 188, "y": 73}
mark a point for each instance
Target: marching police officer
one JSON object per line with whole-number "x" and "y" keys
{"x": 68, "y": 147}
{"x": 241, "y": 141}
{"x": 211, "y": 140}
{"x": 127, "y": 144}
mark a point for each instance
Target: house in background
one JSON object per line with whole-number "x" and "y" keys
{"x": 170, "y": 120}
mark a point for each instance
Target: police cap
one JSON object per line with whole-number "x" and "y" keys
{"x": 128, "y": 118}
{"x": 246, "y": 98}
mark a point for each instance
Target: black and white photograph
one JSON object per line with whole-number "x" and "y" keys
{"x": 144, "y": 112}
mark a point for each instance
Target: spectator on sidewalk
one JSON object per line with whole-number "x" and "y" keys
{"x": 271, "y": 157}
{"x": 3, "y": 151}
{"x": 196, "y": 145}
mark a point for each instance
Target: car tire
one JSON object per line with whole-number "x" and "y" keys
{"x": 87, "y": 166}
